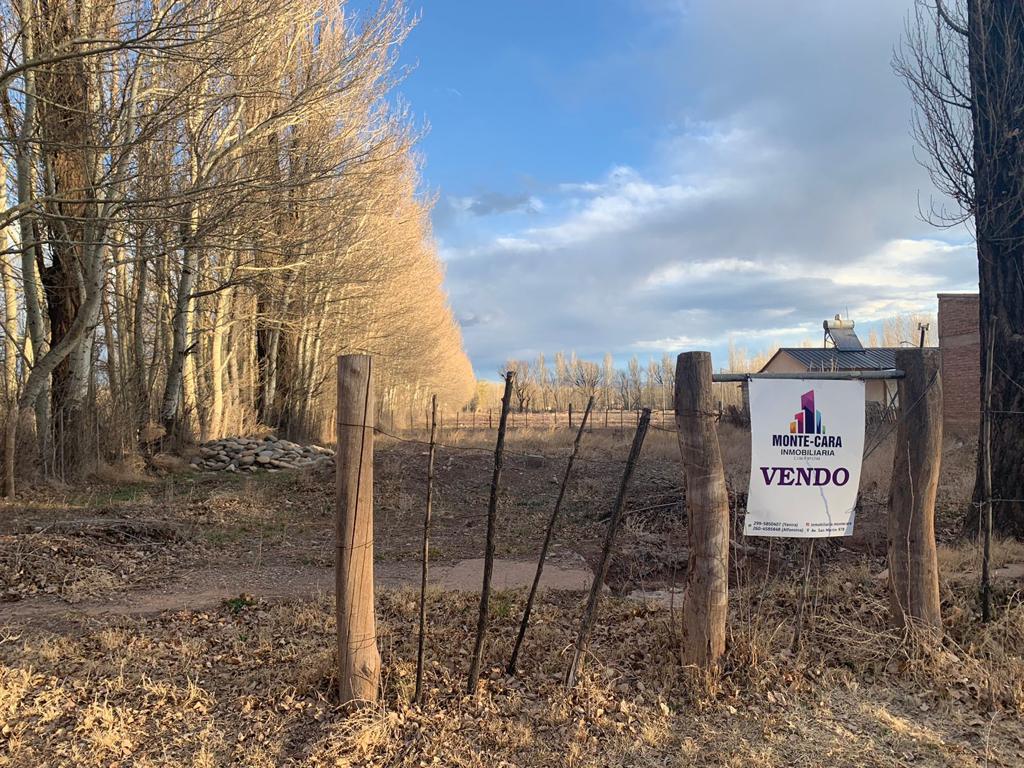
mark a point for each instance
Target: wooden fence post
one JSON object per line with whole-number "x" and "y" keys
{"x": 706, "y": 603}
{"x": 358, "y": 658}
{"x": 913, "y": 563}
{"x": 492, "y": 513}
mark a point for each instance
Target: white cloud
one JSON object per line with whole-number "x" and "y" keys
{"x": 620, "y": 202}
{"x": 741, "y": 335}
{"x": 782, "y": 188}
{"x": 679, "y": 273}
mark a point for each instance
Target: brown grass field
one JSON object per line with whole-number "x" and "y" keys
{"x": 187, "y": 620}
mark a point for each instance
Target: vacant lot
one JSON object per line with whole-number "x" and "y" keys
{"x": 187, "y": 620}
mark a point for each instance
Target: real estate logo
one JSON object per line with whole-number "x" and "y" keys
{"x": 806, "y": 436}
{"x": 807, "y": 441}
{"x": 808, "y": 420}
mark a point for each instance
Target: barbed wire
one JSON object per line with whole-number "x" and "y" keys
{"x": 481, "y": 449}
{"x": 878, "y": 442}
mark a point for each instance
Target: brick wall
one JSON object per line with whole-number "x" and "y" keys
{"x": 961, "y": 356}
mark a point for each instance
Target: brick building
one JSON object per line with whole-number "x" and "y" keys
{"x": 960, "y": 342}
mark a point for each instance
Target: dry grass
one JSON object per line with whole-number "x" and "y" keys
{"x": 250, "y": 684}
{"x": 90, "y": 562}
{"x": 963, "y": 563}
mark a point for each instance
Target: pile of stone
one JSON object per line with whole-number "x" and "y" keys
{"x": 243, "y": 454}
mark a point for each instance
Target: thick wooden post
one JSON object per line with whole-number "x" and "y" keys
{"x": 913, "y": 564}
{"x": 358, "y": 658}
{"x": 706, "y": 603}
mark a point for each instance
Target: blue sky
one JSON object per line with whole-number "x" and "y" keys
{"x": 659, "y": 175}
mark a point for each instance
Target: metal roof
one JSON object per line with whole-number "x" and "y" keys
{"x": 818, "y": 359}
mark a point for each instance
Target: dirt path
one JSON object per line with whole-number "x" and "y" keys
{"x": 208, "y": 587}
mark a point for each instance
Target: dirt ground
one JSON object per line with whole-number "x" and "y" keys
{"x": 186, "y": 620}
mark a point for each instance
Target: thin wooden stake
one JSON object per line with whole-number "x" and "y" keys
{"x": 418, "y": 698}
{"x": 804, "y": 588}
{"x": 492, "y": 512}
{"x": 601, "y": 572}
{"x": 547, "y": 541}
{"x": 986, "y": 552}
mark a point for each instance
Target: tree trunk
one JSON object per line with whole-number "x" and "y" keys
{"x": 913, "y": 564}
{"x": 996, "y": 66}
{"x": 10, "y": 329}
{"x": 215, "y": 422}
{"x": 170, "y": 411}
{"x": 706, "y": 603}
{"x": 139, "y": 361}
{"x": 44, "y": 366}
{"x": 30, "y": 280}
{"x": 65, "y": 137}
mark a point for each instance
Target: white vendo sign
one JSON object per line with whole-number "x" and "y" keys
{"x": 807, "y": 441}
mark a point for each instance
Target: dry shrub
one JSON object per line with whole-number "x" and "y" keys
{"x": 131, "y": 470}
{"x": 849, "y": 636}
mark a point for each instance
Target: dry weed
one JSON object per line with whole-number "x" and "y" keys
{"x": 254, "y": 687}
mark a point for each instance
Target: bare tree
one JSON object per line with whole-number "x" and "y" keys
{"x": 586, "y": 376}
{"x": 522, "y": 386}
{"x": 964, "y": 66}
{"x": 211, "y": 201}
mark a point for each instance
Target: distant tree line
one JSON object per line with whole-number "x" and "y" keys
{"x": 542, "y": 385}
